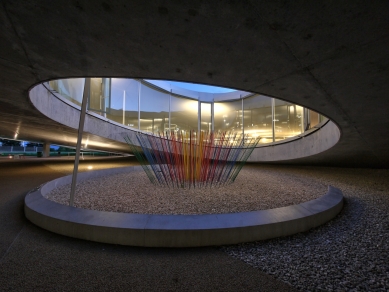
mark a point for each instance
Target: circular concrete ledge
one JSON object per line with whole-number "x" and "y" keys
{"x": 175, "y": 230}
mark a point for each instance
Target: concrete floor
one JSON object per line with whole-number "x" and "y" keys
{"x": 33, "y": 259}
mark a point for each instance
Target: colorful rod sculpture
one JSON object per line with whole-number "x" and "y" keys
{"x": 188, "y": 159}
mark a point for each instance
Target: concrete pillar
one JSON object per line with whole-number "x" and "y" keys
{"x": 46, "y": 150}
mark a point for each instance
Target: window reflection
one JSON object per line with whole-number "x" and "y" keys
{"x": 154, "y": 110}
{"x": 228, "y": 116}
{"x": 258, "y": 118}
{"x": 72, "y": 89}
{"x": 124, "y": 102}
{"x": 288, "y": 121}
{"x": 314, "y": 118}
{"x": 184, "y": 114}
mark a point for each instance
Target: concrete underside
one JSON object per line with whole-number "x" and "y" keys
{"x": 175, "y": 230}
{"x": 331, "y": 57}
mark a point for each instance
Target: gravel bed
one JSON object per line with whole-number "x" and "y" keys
{"x": 349, "y": 253}
{"x": 133, "y": 193}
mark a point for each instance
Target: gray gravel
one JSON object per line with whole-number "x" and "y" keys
{"x": 350, "y": 253}
{"x": 133, "y": 193}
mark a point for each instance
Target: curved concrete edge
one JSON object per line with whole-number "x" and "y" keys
{"x": 319, "y": 141}
{"x": 175, "y": 230}
{"x": 61, "y": 111}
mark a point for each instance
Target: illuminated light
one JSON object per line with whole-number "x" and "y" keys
{"x": 90, "y": 167}
{"x": 220, "y": 108}
{"x": 9, "y": 156}
{"x": 255, "y": 131}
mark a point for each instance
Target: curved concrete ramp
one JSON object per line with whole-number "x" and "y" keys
{"x": 175, "y": 230}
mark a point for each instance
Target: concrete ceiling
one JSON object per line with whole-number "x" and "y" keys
{"x": 331, "y": 56}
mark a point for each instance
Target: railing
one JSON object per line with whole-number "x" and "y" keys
{"x": 6, "y": 149}
{"x": 34, "y": 151}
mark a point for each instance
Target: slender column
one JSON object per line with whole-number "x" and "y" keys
{"x": 170, "y": 110}
{"x": 46, "y": 150}
{"x": 213, "y": 116}
{"x": 273, "y": 122}
{"x": 124, "y": 107}
{"x": 198, "y": 116}
{"x": 79, "y": 139}
{"x": 139, "y": 87}
{"x": 242, "y": 116}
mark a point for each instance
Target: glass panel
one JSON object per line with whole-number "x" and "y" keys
{"x": 257, "y": 118}
{"x": 228, "y": 116}
{"x": 322, "y": 118}
{"x": 71, "y": 89}
{"x": 314, "y": 118}
{"x": 288, "y": 120}
{"x": 154, "y": 110}
{"x": 184, "y": 114}
{"x": 206, "y": 121}
{"x": 99, "y": 99}
{"x": 124, "y": 102}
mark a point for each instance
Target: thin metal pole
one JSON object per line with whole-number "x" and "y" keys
{"x": 124, "y": 107}
{"x": 273, "y": 122}
{"x": 139, "y": 87}
{"x": 79, "y": 138}
{"x": 212, "y": 116}
{"x": 170, "y": 110}
{"x": 199, "y": 116}
{"x": 242, "y": 115}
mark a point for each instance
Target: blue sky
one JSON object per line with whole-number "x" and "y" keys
{"x": 200, "y": 87}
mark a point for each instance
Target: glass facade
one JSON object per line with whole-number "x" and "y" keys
{"x": 154, "y": 110}
{"x": 314, "y": 118}
{"x": 228, "y": 116}
{"x": 258, "y": 117}
{"x": 184, "y": 114}
{"x": 124, "y": 102}
{"x": 71, "y": 89}
{"x": 288, "y": 120}
{"x": 100, "y": 95}
{"x": 140, "y": 105}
